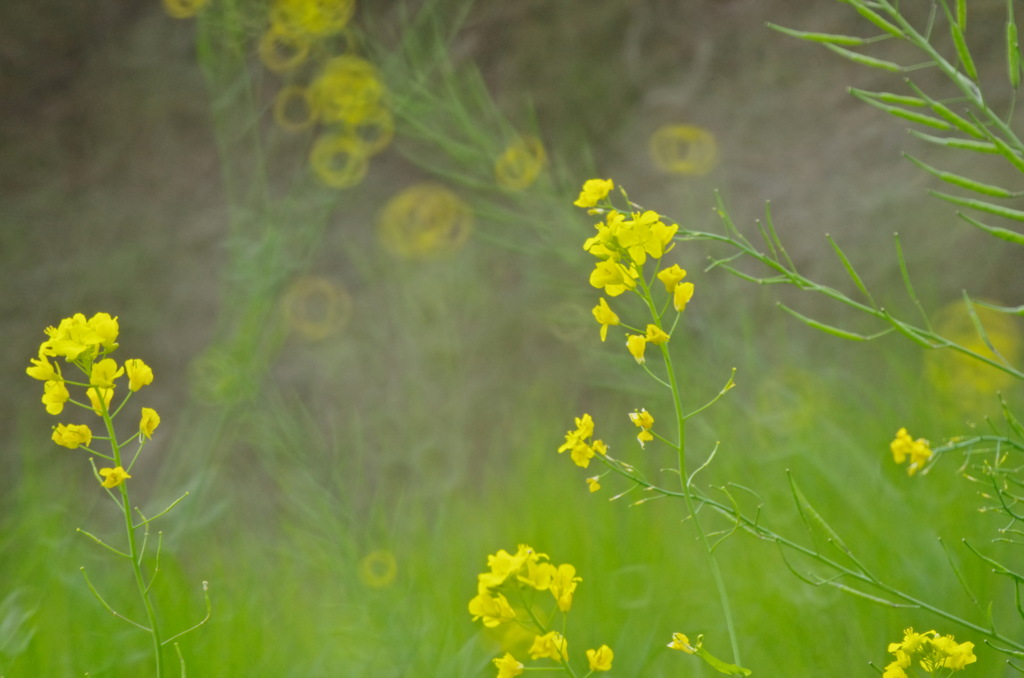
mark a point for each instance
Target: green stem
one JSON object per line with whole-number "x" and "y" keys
{"x": 133, "y": 549}
{"x": 677, "y": 401}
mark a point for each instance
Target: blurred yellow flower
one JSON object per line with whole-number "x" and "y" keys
{"x": 346, "y": 90}
{"x": 424, "y": 220}
{"x": 378, "y": 569}
{"x": 644, "y": 421}
{"x": 112, "y": 477}
{"x": 139, "y": 373}
{"x": 594, "y": 191}
{"x": 635, "y": 344}
{"x": 605, "y": 316}
{"x": 594, "y": 483}
{"x": 338, "y": 160}
{"x": 681, "y": 642}
{"x": 520, "y": 164}
{"x": 316, "y": 18}
{"x": 149, "y": 421}
{"x": 491, "y": 610}
{"x": 966, "y": 384}
{"x": 508, "y": 666}
{"x": 104, "y": 373}
{"x": 316, "y": 307}
{"x": 601, "y": 658}
{"x": 94, "y": 399}
{"x": 684, "y": 149}
{"x": 183, "y": 9}
{"x": 551, "y": 645}
{"x": 903, "y": 447}
{"x": 563, "y": 585}
{"x": 72, "y": 436}
{"x": 55, "y": 394}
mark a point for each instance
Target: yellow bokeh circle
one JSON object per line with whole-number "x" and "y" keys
{"x": 684, "y": 149}
{"x": 347, "y": 90}
{"x": 281, "y": 50}
{"x": 520, "y": 164}
{"x": 339, "y": 160}
{"x": 316, "y": 307}
{"x": 424, "y": 220}
{"x": 378, "y": 569}
{"x": 293, "y": 109}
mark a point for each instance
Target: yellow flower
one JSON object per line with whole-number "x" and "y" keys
{"x": 72, "y": 436}
{"x": 55, "y": 394}
{"x": 563, "y": 585}
{"x": 424, "y": 220}
{"x": 644, "y": 421}
{"x": 520, "y": 163}
{"x": 150, "y": 420}
{"x": 636, "y": 343}
{"x": 671, "y": 277}
{"x": 94, "y": 399}
{"x": 378, "y": 569}
{"x": 684, "y": 149}
{"x": 594, "y": 483}
{"x": 76, "y": 336}
{"x": 606, "y": 316}
{"x": 681, "y": 296}
{"x": 504, "y": 565}
{"x": 139, "y": 373}
{"x": 347, "y": 90}
{"x": 656, "y": 335}
{"x": 43, "y": 370}
{"x": 317, "y": 18}
{"x": 681, "y": 642}
{"x": 645, "y": 234}
{"x": 903, "y": 447}
{"x": 613, "y": 277}
{"x": 538, "y": 575}
{"x": 601, "y": 658}
{"x": 552, "y": 645}
{"x": 594, "y": 191}
{"x": 491, "y": 610}
{"x": 112, "y": 477}
{"x": 508, "y": 666}
{"x": 104, "y": 373}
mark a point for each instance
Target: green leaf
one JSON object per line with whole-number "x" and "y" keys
{"x": 835, "y": 39}
{"x": 1013, "y": 61}
{"x": 982, "y": 206}
{"x": 719, "y": 665}
{"x": 964, "y": 182}
{"x": 871, "y": 62}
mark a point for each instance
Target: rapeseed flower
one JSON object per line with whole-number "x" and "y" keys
{"x": 604, "y": 315}
{"x": 636, "y": 344}
{"x": 491, "y": 610}
{"x": 72, "y": 436}
{"x": 112, "y": 477}
{"x": 563, "y": 585}
{"x": 55, "y": 394}
{"x": 601, "y": 658}
{"x": 508, "y": 666}
{"x": 551, "y": 645}
{"x": 577, "y": 443}
{"x": 903, "y": 447}
{"x": 644, "y": 421}
{"x": 681, "y": 642}
{"x": 139, "y": 374}
{"x": 594, "y": 191}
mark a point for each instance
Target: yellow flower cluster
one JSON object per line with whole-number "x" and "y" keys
{"x": 931, "y": 651}
{"x": 516, "y": 576}
{"x": 345, "y": 95}
{"x": 622, "y": 245}
{"x": 85, "y": 344}
{"x": 903, "y": 447}
{"x": 581, "y": 444}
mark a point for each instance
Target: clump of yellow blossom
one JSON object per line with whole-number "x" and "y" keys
{"x": 931, "y": 652}
{"x": 580, "y": 442}
{"x": 903, "y": 447}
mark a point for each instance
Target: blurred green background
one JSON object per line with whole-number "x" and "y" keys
{"x": 423, "y": 424}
